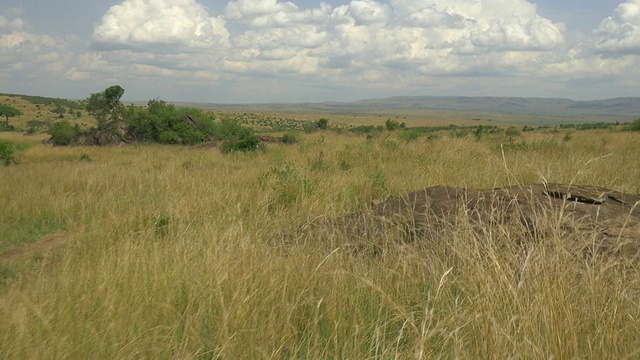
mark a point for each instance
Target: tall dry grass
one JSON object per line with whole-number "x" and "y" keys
{"x": 180, "y": 253}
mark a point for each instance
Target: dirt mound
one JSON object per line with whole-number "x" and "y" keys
{"x": 611, "y": 219}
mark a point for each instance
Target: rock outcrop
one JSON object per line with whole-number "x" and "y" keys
{"x": 610, "y": 219}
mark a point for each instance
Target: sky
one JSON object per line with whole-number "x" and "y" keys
{"x": 256, "y": 51}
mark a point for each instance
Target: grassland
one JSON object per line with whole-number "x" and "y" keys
{"x": 41, "y": 109}
{"x": 167, "y": 252}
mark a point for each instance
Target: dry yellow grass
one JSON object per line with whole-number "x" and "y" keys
{"x": 179, "y": 253}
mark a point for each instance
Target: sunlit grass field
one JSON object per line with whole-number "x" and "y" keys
{"x": 172, "y": 252}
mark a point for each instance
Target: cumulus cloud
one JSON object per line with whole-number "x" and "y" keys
{"x": 27, "y": 54}
{"x": 271, "y": 13}
{"x": 22, "y": 42}
{"x": 620, "y": 33}
{"x": 516, "y": 33}
{"x": 474, "y": 25}
{"x": 368, "y": 12}
{"x": 360, "y": 36}
{"x": 381, "y": 42}
{"x": 255, "y": 8}
{"x": 178, "y": 24}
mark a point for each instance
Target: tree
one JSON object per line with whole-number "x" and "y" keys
{"x": 7, "y": 112}
{"x": 105, "y": 106}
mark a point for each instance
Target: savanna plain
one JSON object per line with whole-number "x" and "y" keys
{"x": 165, "y": 251}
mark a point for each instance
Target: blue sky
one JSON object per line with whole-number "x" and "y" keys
{"x": 247, "y": 51}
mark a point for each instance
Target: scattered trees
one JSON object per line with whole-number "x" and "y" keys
{"x": 7, "y": 112}
{"x": 158, "y": 122}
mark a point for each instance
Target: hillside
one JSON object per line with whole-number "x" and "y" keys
{"x": 414, "y": 110}
{"x": 43, "y": 110}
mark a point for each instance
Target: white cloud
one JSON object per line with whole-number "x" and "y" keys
{"x": 255, "y": 8}
{"x": 362, "y": 36}
{"x": 178, "y": 24}
{"x": 13, "y": 24}
{"x": 375, "y": 44}
{"x": 271, "y": 13}
{"x": 369, "y": 12}
{"x": 516, "y": 33}
{"x": 620, "y": 33}
{"x": 26, "y": 54}
{"x": 477, "y": 26}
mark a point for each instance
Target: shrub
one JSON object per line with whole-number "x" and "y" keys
{"x": 34, "y": 126}
{"x": 392, "y": 125}
{"x": 363, "y": 129}
{"x": 460, "y": 133}
{"x": 231, "y": 129}
{"x": 310, "y": 127}
{"x": 288, "y": 186}
{"x": 168, "y": 137}
{"x": 567, "y": 137}
{"x": 635, "y": 126}
{"x": 409, "y": 135}
{"x": 246, "y": 144}
{"x": 7, "y": 152}
{"x": 512, "y": 133}
{"x": 63, "y": 133}
{"x": 323, "y": 124}
{"x": 289, "y": 139}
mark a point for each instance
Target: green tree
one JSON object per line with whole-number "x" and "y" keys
{"x": 105, "y": 106}
{"x": 7, "y": 112}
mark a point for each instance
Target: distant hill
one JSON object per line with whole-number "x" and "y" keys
{"x": 415, "y": 109}
{"x": 500, "y": 109}
{"x": 610, "y": 107}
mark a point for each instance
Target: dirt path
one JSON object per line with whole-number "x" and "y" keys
{"x": 43, "y": 245}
